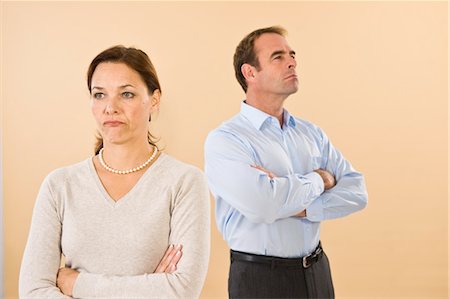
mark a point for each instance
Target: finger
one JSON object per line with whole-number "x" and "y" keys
{"x": 163, "y": 263}
{"x": 161, "y": 267}
{"x": 173, "y": 263}
{"x": 172, "y": 269}
{"x": 168, "y": 251}
{"x": 176, "y": 258}
{"x": 172, "y": 255}
{"x": 270, "y": 174}
{"x": 260, "y": 168}
{"x": 63, "y": 271}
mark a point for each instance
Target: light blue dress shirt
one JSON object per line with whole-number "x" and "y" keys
{"x": 256, "y": 214}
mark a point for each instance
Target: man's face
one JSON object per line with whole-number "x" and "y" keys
{"x": 276, "y": 74}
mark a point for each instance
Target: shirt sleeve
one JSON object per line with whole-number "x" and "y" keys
{"x": 349, "y": 195}
{"x": 42, "y": 255}
{"x": 190, "y": 226}
{"x": 228, "y": 168}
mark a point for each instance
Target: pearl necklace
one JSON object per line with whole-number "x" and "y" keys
{"x": 110, "y": 169}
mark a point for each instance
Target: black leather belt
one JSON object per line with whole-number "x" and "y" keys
{"x": 306, "y": 261}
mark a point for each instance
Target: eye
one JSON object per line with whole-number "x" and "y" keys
{"x": 98, "y": 95}
{"x": 277, "y": 57}
{"x": 128, "y": 95}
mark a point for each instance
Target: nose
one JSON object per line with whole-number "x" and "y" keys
{"x": 112, "y": 106}
{"x": 292, "y": 63}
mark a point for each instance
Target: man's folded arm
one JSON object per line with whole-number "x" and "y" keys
{"x": 228, "y": 166}
{"x": 348, "y": 196}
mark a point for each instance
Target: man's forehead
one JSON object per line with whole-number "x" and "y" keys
{"x": 269, "y": 42}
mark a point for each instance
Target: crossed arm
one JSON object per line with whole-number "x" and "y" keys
{"x": 331, "y": 191}
{"x": 66, "y": 276}
{"x": 329, "y": 181}
{"x": 179, "y": 274}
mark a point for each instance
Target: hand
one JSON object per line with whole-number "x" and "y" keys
{"x": 268, "y": 172}
{"x": 65, "y": 280}
{"x": 301, "y": 214}
{"x": 328, "y": 179}
{"x": 168, "y": 263}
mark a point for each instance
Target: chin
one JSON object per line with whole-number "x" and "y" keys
{"x": 114, "y": 140}
{"x": 292, "y": 91}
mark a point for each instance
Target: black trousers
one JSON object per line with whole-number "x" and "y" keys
{"x": 262, "y": 280}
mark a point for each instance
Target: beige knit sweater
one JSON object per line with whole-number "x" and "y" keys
{"x": 116, "y": 246}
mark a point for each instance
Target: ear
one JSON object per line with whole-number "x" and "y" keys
{"x": 156, "y": 99}
{"x": 248, "y": 71}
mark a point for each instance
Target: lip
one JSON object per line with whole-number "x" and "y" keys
{"x": 112, "y": 123}
{"x": 291, "y": 76}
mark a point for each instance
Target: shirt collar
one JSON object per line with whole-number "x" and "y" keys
{"x": 288, "y": 119}
{"x": 257, "y": 117}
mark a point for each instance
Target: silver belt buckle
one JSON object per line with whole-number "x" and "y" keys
{"x": 305, "y": 262}
{"x": 314, "y": 254}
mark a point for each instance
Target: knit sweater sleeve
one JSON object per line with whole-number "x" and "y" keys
{"x": 42, "y": 255}
{"x": 189, "y": 226}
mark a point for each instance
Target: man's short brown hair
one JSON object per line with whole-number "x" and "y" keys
{"x": 245, "y": 51}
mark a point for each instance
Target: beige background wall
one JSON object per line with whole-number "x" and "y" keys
{"x": 373, "y": 76}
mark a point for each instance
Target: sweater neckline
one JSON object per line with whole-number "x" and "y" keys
{"x": 126, "y": 197}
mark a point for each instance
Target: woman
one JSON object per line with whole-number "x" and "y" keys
{"x": 132, "y": 222}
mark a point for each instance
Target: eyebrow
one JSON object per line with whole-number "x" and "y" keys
{"x": 281, "y": 52}
{"x": 126, "y": 85}
{"x": 122, "y": 86}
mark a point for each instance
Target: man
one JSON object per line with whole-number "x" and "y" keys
{"x": 275, "y": 178}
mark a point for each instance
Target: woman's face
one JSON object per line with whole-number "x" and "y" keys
{"x": 121, "y": 103}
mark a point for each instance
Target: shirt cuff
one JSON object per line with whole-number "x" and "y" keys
{"x": 317, "y": 183}
{"x": 314, "y": 212}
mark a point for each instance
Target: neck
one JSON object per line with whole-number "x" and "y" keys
{"x": 126, "y": 156}
{"x": 272, "y": 105}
